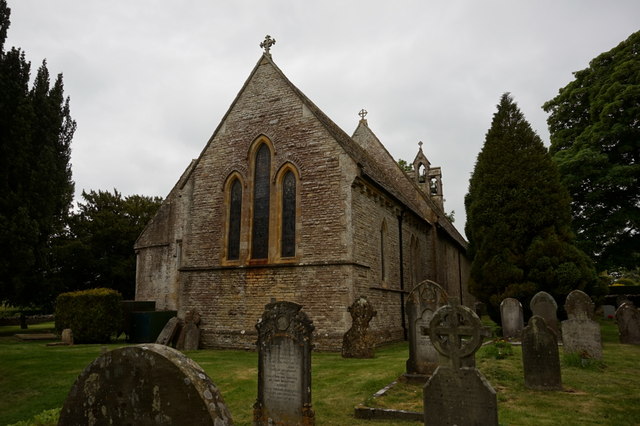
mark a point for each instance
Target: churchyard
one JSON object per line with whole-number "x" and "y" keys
{"x": 36, "y": 378}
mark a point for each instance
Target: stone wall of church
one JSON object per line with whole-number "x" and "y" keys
{"x": 232, "y": 300}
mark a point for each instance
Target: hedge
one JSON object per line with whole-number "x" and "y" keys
{"x": 93, "y": 315}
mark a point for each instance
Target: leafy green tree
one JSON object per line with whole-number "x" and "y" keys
{"x": 595, "y": 140}
{"x": 36, "y": 188}
{"x": 519, "y": 219}
{"x": 97, "y": 251}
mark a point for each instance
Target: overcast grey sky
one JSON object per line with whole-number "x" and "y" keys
{"x": 150, "y": 80}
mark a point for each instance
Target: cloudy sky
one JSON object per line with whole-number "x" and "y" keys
{"x": 150, "y": 80}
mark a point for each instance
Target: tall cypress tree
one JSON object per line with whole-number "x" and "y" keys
{"x": 519, "y": 219}
{"x": 36, "y": 188}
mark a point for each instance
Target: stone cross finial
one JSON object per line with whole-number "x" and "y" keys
{"x": 420, "y": 145}
{"x": 267, "y": 43}
{"x": 363, "y": 113}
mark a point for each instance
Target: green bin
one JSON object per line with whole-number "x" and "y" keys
{"x": 146, "y": 326}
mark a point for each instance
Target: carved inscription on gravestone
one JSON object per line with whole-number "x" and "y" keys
{"x": 284, "y": 366}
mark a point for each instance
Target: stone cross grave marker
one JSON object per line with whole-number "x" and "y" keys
{"x": 284, "y": 366}
{"x": 357, "y": 343}
{"x": 144, "y": 385}
{"x": 512, "y": 318}
{"x": 540, "y": 358}
{"x": 544, "y": 305}
{"x": 457, "y": 395}
{"x": 421, "y": 304}
{"x": 580, "y": 333}
{"x": 628, "y": 318}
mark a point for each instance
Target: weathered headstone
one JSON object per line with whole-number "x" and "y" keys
{"x": 540, "y": 357}
{"x": 284, "y": 366}
{"x": 580, "y": 333}
{"x": 357, "y": 342}
{"x": 512, "y": 318}
{"x": 170, "y": 331}
{"x": 420, "y": 306}
{"x": 544, "y": 305}
{"x": 457, "y": 395}
{"x": 67, "y": 336}
{"x": 144, "y": 385}
{"x": 189, "y": 338}
{"x": 608, "y": 311}
{"x": 628, "y": 319}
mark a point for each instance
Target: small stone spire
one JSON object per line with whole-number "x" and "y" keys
{"x": 267, "y": 43}
{"x": 363, "y": 113}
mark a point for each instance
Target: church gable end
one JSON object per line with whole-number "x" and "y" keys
{"x": 282, "y": 204}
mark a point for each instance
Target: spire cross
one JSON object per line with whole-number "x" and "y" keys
{"x": 362, "y": 113}
{"x": 420, "y": 145}
{"x": 267, "y": 43}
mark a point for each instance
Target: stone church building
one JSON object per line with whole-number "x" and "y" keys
{"x": 282, "y": 204}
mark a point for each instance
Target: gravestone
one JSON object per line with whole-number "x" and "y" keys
{"x": 144, "y": 385}
{"x": 628, "y": 319}
{"x": 67, "y": 336}
{"x": 458, "y": 395}
{"x": 189, "y": 338}
{"x": 420, "y": 306}
{"x": 540, "y": 358}
{"x": 170, "y": 332}
{"x": 284, "y": 366}
{"x": 511, "y": 317}
{"x": 608, "y": 311}
{"x": 357, "y": 343}
{"x": 580, "y": 333}
{"x": 544, "y": 305}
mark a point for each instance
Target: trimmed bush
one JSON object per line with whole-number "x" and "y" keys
{"x": 93, "y": 315}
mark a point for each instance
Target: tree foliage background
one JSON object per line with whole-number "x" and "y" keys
{"x": 47, "y": 248}
{"x": 36, "y": 188}
{"x": 97, "y": 249}
{"x": 594, "y": 124}
{"x": 519, "y": 219}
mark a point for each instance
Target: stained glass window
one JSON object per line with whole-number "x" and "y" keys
{"x": 288, "y": 237}
{"x": 235, "y": 211}
{"x": 261, "y": 183}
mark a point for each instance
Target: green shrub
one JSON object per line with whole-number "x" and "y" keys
{"x": 45, "y": 418}
{"x": 93, "y": 315}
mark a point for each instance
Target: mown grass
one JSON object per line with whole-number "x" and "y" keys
{"x": 35, "y": 378}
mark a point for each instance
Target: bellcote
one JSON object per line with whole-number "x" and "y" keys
{"x": 428, "y": 178}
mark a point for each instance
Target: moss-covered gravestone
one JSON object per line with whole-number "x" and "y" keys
{"x": 580, "y": 333}
{"x": 144, "y": 385}
{"x": 540, "y": 358}
{"x": 458, "y": 395}
{"x": 357, "y": 341}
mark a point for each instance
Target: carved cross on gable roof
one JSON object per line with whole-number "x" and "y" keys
{"x": 267, "y": 43}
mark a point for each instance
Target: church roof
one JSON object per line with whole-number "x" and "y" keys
{"x": 382, "y": 171}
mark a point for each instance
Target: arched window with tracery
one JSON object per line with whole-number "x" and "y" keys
{"x": 288, "y": 215}
{"x": 261, "y": 203}
{"x": 235, "y": 219}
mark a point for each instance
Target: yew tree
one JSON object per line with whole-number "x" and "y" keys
{"x": 594, "y": 124}
{"x": 519, "y": 219}
{"x": 36, "y": 189}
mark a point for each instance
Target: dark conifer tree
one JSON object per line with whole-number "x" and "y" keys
{"x": 519, "y": 219}
{"x": 36, "y": 188}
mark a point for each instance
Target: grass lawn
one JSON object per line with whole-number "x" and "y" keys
{"x": 34, "y": 378}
